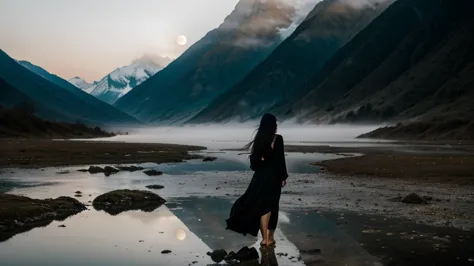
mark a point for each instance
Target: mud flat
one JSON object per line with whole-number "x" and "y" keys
{"x": 39, "y": 153}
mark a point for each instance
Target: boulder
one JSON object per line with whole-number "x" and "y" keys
{"x": 413, "y": 198}
{"x": 119, "y": 201}
{"x": 19, "y": 214}
{"x": 209, "y": 159}
{"x": 109, "y": 170}
{"x": 166, "y": 251}
{"x": 230, "y": 256}
{"x": 246, "y": 254}
{"x": 155, "y": 187}
{"x": 152, "y": 172}
{"x": 131, "y": 168}
{"x": 95, "y": 169}
{"x": 218, "y": 255}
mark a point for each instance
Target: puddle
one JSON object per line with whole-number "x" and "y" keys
{"x": 189, "y": 227}
{"x": 191, "y": 224}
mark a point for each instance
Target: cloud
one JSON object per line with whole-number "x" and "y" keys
{"x": 153, "y": 60}
{"x": 302, "y": 9}
{"x": 363, "y": 3}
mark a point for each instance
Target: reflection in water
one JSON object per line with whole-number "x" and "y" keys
{"x": 96, "y": 238}
{"x": 268, "y": 257}
{"x": 180, "y": 234}
{"x": 206, "y": 217}
{"x": 189, "y": 227}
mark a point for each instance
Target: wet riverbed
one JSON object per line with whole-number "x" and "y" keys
{"x": 324, "y": 220}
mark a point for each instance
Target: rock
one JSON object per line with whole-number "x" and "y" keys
{"x": 118, "y": 201}
{"x": 109, "y": 170}
{"x": 155, "y": 187}
{"x": 95, "y": 169}
{"x": 218, "y": 255}
{"x": 246, "y": 254}
{"x": 78, "y": 192}
{"x": 131, "y": 168}
{"x": 413, "y": 198}
{"x": 65, "y": 172}
{"x": 152, "y": 172}
{"x": 166, "y": 251}
{"x": 141, "y": 241}
{"x": 19, "y": 214}
{"x": 209, "y": 159}
{"x": 83, "y": 170}
{"x": 78, "y": 195}
{"x": 62, "y": 226}
{"x": 230, "y": 257}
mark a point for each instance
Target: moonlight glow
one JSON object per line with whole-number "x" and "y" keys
{"x": 181, "y": 40}
{"x": 181, "y": 234}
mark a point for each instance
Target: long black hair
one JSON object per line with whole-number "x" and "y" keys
{"x": 265, "y": 134}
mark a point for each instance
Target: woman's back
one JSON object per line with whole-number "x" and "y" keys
{"x": 271, "y": 158}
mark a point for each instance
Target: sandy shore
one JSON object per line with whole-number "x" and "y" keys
{"x": 39, "y": 153}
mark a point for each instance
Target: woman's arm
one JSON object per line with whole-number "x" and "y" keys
{"x": 281, "y": 161}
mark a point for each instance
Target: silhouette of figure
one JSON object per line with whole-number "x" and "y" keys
{"x": 258, "y": 207}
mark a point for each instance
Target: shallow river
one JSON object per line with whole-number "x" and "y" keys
{"x": 192, "y": 222}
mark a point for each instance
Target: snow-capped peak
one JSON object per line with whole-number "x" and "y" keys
{"x": 82, "y": 84}
{"x": 122, "y": 80}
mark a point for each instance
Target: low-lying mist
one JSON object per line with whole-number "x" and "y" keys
{"x": 237, "y": 135}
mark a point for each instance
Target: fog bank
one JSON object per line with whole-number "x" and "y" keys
{"x": 237, "y": 135}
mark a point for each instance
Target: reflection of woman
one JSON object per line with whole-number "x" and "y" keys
{"x": 269, "y": 257}
{"x": 258, "y": 207}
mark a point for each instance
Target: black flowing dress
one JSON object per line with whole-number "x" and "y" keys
{"x": 263, "y": 194}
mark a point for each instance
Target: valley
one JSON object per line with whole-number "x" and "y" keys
{"x": 122, "y": 130}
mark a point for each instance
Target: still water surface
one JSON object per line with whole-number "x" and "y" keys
{"x": 190, "y": 224}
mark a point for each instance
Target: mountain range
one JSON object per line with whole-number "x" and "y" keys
{"x": 333, "y": 61}
{"x": 123, "y": 79}
{"x": 82, "y": 84}
{"x": 416, "y": 68}
{"x": 328, "y": 27}
{"x": 53, "y": 98}
{"x": 212, "y": 65}
{"x": 420, "y": 67}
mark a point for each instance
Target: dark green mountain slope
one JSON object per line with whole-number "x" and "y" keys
{"x": 330, "y": 25}
{"x": 212, "y": 65}
{"x": 65, "y": 105}
{"x": 414, "y": 61}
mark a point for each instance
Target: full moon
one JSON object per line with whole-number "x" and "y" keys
{"x": 181, "y": 40}
{"x": 180, "y": 234}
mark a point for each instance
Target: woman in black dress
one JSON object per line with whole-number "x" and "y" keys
{"x": 258, "y": 207}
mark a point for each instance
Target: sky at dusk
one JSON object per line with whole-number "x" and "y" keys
{"x": 90, "y": 38}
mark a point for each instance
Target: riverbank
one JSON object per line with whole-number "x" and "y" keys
{"x": 40, "y": 153}
{"x": 424, "y": 163}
